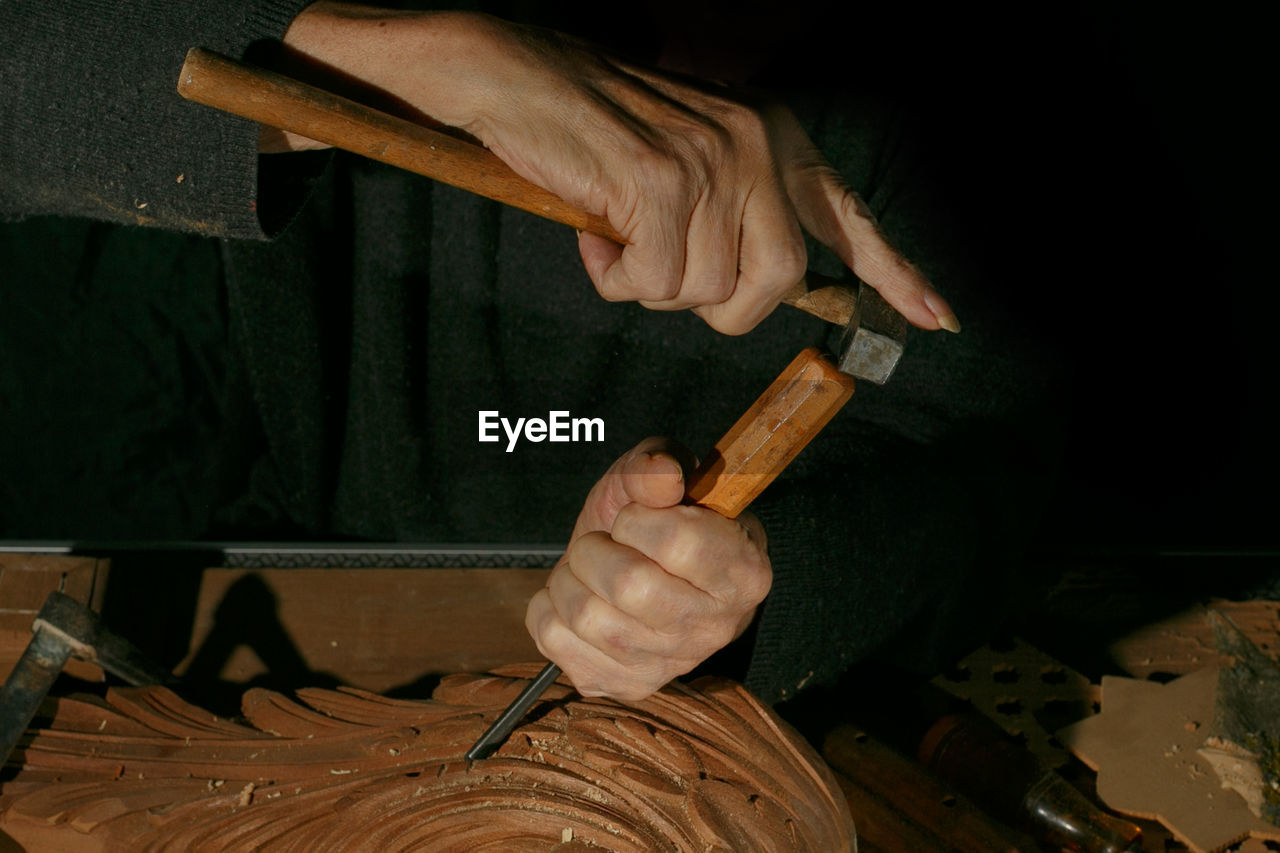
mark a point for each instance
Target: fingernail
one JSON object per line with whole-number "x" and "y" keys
{"x": 671, "y": 460}
{"x": 941, "y": 311}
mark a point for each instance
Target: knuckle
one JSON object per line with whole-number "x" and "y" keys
{"x": 631, "y": 587}
{"x": 583, "y": 549}
{"x": 755, "y": 587}
{"x": 670, "y": 535}
{"x": 894, "y": 277}
{"x": 574, "y": 553}
{"x": 538, "y": 615}
{"x": 649, "y": 160}
{"x": 591, "y": 622}
{"x": 746, "y": 116}
{"x": 718, "y": 636}
{"x": 658, "y": 287}
{"x": 749, "y": 124}
{"x": 681, "y": 540}
{"x": 553, "y": 637}
{"x": 724, "y": 636}
{"x": 790, "y": 261}
{"x": 618, "y": 643}
{"x": 654, "y": 285}
{"x": 712, "y": 139}
{"x": 718, "y": 288}
{"x": 663, "y": 173}
{"x": 755, "y": 575}
{"x": 686, "y": 162}
{"x": 626, "y": 522}
{"x": 852, "y": 206}
{"x": 583, "y": 617}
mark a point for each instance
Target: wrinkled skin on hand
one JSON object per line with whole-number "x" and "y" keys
{"x": 648, "y": 588}
{"x": 710, "y": 187}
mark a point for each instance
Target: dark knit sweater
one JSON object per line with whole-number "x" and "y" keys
{"x": 335, "y": 369}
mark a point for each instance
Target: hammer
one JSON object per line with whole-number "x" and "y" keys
{"x": 873, "y": 330}
{"x": 793, "y": 410}
{"x": 62, "y": 629}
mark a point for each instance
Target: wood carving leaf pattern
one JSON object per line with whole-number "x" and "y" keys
{"x": 697, "y": 767}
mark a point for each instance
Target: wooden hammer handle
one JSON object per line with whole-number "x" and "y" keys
{"x": 785, "y": 418}
{"x": 279, "y": 101}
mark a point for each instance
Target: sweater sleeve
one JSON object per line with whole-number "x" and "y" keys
{"x": 912, "y": 553}
{"x": 91, "y": 124}
{"x": 901, "y": 533}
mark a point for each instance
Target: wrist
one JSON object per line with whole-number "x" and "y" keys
{"x": 430, "y": 62}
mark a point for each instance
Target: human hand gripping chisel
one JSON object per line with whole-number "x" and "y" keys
{"x": 781, "y": 422}
{"x": 760, "y": 445}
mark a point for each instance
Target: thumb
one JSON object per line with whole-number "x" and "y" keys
{"x": 651, "y": 474}
{"x": 838, "y": 217}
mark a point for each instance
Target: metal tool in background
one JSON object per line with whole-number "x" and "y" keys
{"x": 873, "y": 329}
{"x": 65, "y": 628}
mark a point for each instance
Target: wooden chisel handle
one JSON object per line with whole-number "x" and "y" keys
{"x": 279, "y": 101}
{"x": 779, "y": 424}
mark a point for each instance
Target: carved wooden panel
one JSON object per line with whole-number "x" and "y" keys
{"x": 701, "y": 767}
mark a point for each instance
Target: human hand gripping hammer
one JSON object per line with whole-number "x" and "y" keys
{"x": 275, "y": 100}
{"x": 790, "y": 413}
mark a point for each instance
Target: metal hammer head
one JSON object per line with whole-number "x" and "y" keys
{"x": 872, "y": 333}
{"x": 65, "y": 622}
{"x": 872, "y": 342}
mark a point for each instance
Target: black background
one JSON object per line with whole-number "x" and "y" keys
{"x": 1118, "y": 159}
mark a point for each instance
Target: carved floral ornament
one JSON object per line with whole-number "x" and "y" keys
{"x": 699, "y": 767}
